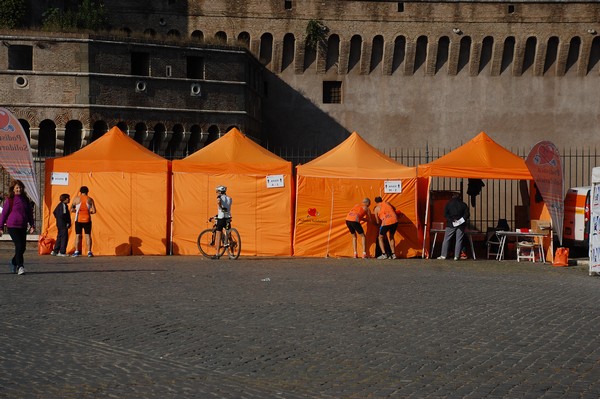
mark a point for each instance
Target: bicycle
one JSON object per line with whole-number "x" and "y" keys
{"x": 230, "y": 241}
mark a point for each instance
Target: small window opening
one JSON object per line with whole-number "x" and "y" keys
{"x": 511, "y": 8}
{"x": 400, "y": 7}
{"x": 195, "y": 67}
{"x": 20, "y": 58}
{"x": 140, "y": 64}
{"x": 287, "y": 4}
{"x": 332, "y": 92}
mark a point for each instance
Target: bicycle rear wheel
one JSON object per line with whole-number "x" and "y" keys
{"x": 206, "y": 244}
{"x": 235, "y": 244}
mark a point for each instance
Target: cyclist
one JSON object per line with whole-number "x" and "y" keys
{"x": 223, "y": 216}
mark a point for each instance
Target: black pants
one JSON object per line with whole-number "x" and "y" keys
{"x": 61, "y": 240}
{"x": 19, "y": 238}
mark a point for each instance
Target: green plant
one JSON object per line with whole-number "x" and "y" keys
{"x": 316, "y": 33}
{"x": 87, "y": 15}
{"x": 12, "y": 13}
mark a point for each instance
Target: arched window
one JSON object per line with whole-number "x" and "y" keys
{"x": 244, "y": 39}
{"x": 333, "y": 52}
{"x": 355, "y": 52}
{"x": 126, "y": 31}
{"x": 73, "y": 130}
{"x": 150, "y": 32}
{"x": 289, "y": 46}
{"x": 175, "y": 142}
{"x": 376, "y": 52}
{"x": 508, "y": 53}
{"x": 573, "y": 55}
{"x": 122, "y": 125}
{"x": 221, "y": 37}
{"x": 26, "y": 128}
{"x": 399, "y": 52}
{"x": 141, "y": 131}
{"x": 420, "y": 53}
{"x": 47, "y": 139}
{"x": 551, "y": 53}
{"x": 594, "y": 54}
{"x": 100, "y": 127}
{"x": 213, "y": 134}
{"x": 157, "y": 138}
{"x": 487, "y": 49}
{"x": 442, "y": 53}
{"x": 464, "y": 53}
{"x": 266, "y": 48}
{"x": 173, "y": 33}
{"x": 194, "y": 142}
{"x": 530, "y": 49}
{"x": 198, "y": 35}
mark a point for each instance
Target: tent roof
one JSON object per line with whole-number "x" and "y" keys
{"x": 113, "y": 152}
{"x": 236, "y": 154}
{"x": 480, "y": 158}
{"x": 355, "y": 158}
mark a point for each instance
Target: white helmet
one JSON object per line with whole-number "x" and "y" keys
{"x": 221, "y": 189}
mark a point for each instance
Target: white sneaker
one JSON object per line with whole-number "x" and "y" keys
{"x": 59, "y": 254}
{"x": 393, "y": 256}
{"x": 382, "y": 256}
{"x": 21, "y": 270}
{"x": 53, "y": 253}
{"x": 441, "y": 257}
{"x": 90, "y": 254}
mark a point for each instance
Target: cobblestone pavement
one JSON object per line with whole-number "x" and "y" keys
{"x": 177, "y": 327}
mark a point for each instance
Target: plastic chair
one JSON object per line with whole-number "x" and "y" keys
{"x": 526, "y": 250}
{"x": 492, "y": 243}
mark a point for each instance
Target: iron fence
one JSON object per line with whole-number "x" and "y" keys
{"x": 497, "y": 200}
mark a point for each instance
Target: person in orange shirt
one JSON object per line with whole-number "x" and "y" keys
{"x": 83, "y": 207}
{"x": 358, "y": 213}
{"x": 385, "y": 214}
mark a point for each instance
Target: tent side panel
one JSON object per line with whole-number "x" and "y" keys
{"x": 323, "y": 204}
{"x": 149, "y": 199}
{"x": 111, "y": 231}
{"x": 273, "y": 218}
{"x": 192, "y": 206}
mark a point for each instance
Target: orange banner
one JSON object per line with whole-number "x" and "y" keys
{"x": 15, "y": 153}
{"x": 546, "y": 168}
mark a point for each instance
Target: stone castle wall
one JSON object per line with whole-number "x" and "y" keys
{"x": 410, "y": 72}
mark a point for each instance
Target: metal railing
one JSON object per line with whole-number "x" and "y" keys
{"x": 497, "y": 199}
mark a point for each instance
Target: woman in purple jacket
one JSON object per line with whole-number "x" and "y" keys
{"x": 17, "y": 214}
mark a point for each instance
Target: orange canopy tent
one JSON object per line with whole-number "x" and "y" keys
{"x": 329, "y": 186}
{"x": 129, "y": 185}
{"x": 479, "y": 158}
{"x": 261, "y": 211}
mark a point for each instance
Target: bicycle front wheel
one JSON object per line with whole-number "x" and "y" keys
{"x": 206, "y": 244}
{"x": 235, "y": 244}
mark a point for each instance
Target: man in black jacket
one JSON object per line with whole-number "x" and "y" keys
{"x": 457, "y": 214}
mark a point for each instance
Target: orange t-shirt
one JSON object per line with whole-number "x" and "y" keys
{"x": 83, "y": 216}
{"x": 356, "y": 213}
{"x": 386, "y": 214}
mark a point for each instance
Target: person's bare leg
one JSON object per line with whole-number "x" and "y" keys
{"x": 218, "y": 241}
{"x": 88, "y": 242}
{"x": 392, "y": 245}
{"x": 354, "y": 243}
{"x": 77, "y": 242}
{"x": 363, "y": 239}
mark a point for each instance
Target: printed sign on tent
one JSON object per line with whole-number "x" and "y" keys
{"x": 275, "y": 181}
{"x": 392, "y": 186}
{"x": 15, "y": 153}
{"x": 59, "y": 179}
{"x": 546, "y": 168}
